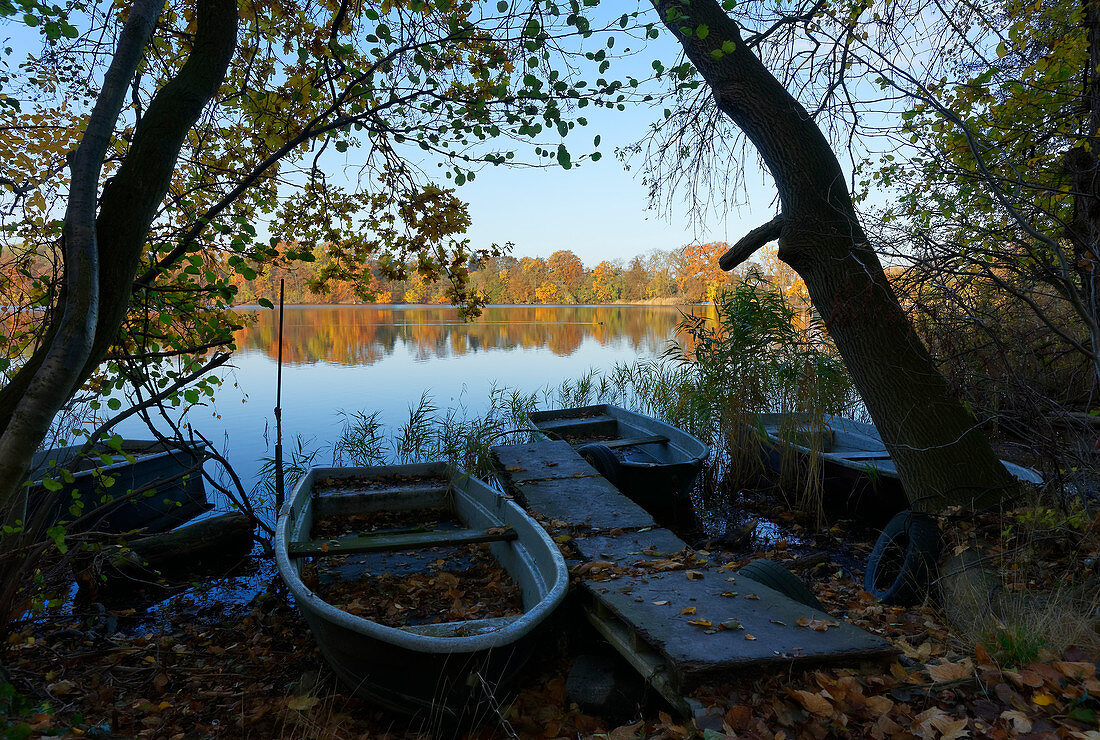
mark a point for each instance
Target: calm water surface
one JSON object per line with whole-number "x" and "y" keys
{"x": 383, "y": 358}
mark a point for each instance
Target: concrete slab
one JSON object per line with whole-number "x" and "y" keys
{"x": 630, "y": 546}
{"x": 585, "y": 502}
{"x": 540, "y": 461}
{"x": 654, "y": 607}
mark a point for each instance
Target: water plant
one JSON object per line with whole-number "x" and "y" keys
{"x": 762, "y": 353}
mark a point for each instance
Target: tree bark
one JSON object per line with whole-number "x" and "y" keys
{"x": 943, "y": 458}
{"x": 127, "y": 207}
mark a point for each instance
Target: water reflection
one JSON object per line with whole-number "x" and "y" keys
{"x": 363, "y": 335}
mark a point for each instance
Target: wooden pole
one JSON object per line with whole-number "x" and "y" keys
{"x": 279, "y": 492}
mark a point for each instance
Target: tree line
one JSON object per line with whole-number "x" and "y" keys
{"x": 686, "y": 275}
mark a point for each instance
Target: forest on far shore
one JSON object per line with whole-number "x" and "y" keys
{"x": 686, "y": 275}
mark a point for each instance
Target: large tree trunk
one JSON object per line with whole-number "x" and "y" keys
{"x": 127, "y": 207}
{"x": 942, "y": 457}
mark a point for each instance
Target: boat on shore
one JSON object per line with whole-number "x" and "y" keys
{"x": 652, "y": 462}
{"x": 352, "y": 541}
{"x": 858, "y": 474}
{"x": 141, "y": 485}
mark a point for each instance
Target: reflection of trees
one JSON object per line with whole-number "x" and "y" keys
{"x": 362, "y": 335}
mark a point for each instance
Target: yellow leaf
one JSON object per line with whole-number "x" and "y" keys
{"x": 699, "y": 622}
{"x": 688, "y": 610}
{"x": 302, "y": 703}
{"x": 1043, "y": 699}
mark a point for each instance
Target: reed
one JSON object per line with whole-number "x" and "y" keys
{"x": 760, "y": 353}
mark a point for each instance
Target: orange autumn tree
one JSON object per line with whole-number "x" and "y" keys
{"x": 566, "y": 271}
{"x": 698, "y": 276}
{"x": 607, "y": 284}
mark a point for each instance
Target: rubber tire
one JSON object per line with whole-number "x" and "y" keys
{"x": 773, "y": 575}
{"x": 912, "y": 541}
{"x": 603, "y": 460}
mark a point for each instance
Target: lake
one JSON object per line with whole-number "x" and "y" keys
{"x": 383, "y": 358}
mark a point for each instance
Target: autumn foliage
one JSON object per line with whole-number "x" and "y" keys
{"x": 687, "y": 275}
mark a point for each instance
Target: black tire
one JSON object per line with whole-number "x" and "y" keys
{"x": 777, "y": 578}
{"x": 603, "y": 460}
{"x": 903, "y": 562}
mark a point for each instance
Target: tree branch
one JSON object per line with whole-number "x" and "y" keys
{"x": 751, "y": 242}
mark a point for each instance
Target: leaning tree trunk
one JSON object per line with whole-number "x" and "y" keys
{"x": 127, "y": 206}
{"x": 943, "y": 458}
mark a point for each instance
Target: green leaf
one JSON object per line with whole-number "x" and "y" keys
{"x": 51, "y": 485}
{"x": 563, "y": 157}
{"x": 702, "y": 31}
{"x": 502, "y": 7}
{"x": 114, "y": 404}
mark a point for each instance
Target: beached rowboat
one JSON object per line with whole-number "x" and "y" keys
{"x": 652, "y": 462}
{"x": 419, "y": 529}
{"x": 143, "y": 484}
{"x": 858, "y": 475}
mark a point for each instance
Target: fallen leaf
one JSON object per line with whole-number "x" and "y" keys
{"x": 694, "y": 575}
{"x": 815, "y": 703}
{"x": 700, "y": 622}
{"x": 729, "y": 594}
{"x": 302, "y": 703}
{"x": 1075, "y": 669}
{"x": 626, "y": 732}
{"x": 946, "y": 671}
{"x": 1043, "y": 699}
{"x": 688, "y": 610}
{"x": 61, "y": 688}
{"x": 663, "y": 602}
{"x": 1020, "y": 721}
{"x": 750, "y": 637}
{"x": 879, "y": 704}
{"x": 592, "y": 565}
{"x": 752, "y": 597}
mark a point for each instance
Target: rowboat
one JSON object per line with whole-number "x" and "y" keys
{"x": 651, "y": 462}
{"x": 858, "y": 474}
{"x": 143, "y": 484}
{"x": 411, "y": 526}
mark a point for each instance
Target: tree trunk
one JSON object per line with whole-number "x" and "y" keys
{"x": 943, "y": 458}
{"x": 128, "y": 204}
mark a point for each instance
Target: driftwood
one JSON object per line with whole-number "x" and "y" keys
{"x": 216, "y": 543}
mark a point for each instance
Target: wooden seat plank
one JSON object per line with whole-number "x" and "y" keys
{"x": 390, "y": 542}
{"x": 636, "y": 441}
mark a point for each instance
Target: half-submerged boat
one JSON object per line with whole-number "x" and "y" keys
{"x": 144, "y": 484}
{"x": 423, "y": 587}
{"x": 652, "y": 462}
{"x": 858, "y": 474}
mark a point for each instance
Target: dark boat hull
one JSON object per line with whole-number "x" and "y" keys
{"x": 162, "y": 488}
{"x": 858, "y": 476}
